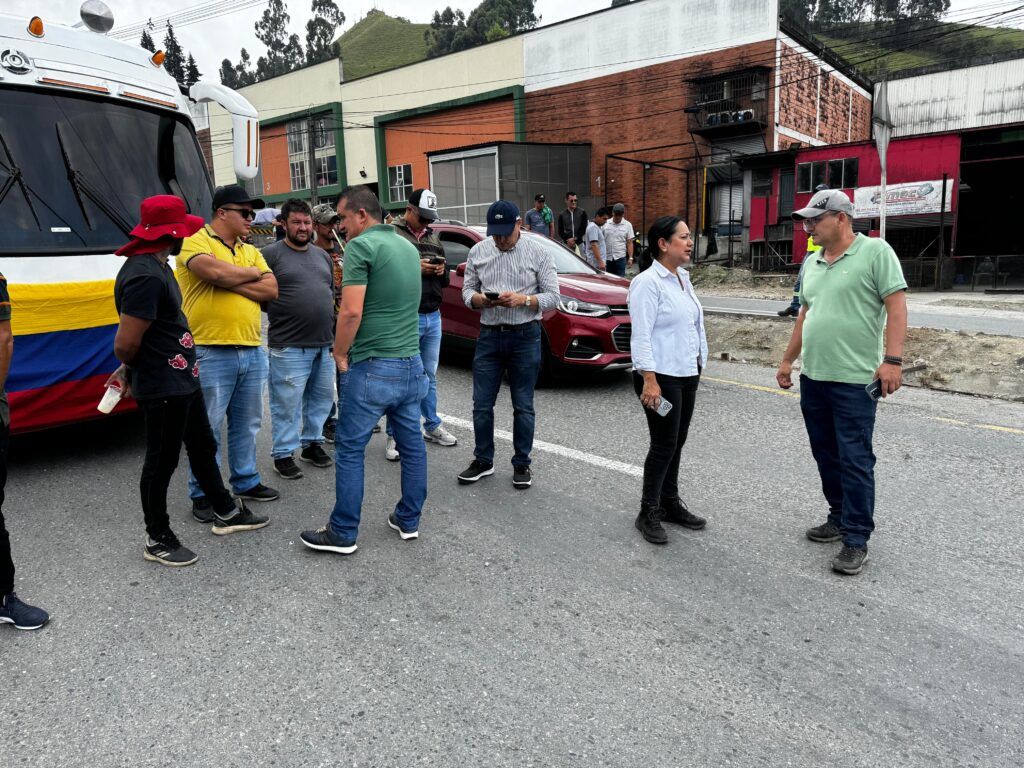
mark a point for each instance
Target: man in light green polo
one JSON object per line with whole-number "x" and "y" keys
{"x": 852, "y": 295}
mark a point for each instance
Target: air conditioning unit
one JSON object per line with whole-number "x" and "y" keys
{"x": 725, "y": 117}
{"x": 747, "y": 115}
{"x": 713, "y": 120}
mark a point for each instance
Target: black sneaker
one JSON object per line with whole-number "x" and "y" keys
{"x": 259, "y": 492}
{"x": 167, "y": 550}
{"x": 850, "y": 560}
{"x": 242, "y": 520}
{"x": 287, "y": 468}
{"x": 648, "y": 522}
{"x": 404, "y": 533}
{"x": 789, "y": 311}
{"x": 202, "y": 510}
{"x": 316, "y": 455}
{"x": 330, "y": 429}
{"x": 323, "y": 540}
{"x": 19, "y": 613}
{"x": 674, "y": 511}
{"x": 522, "y": 478}
{"x": 475, "y": 471}
{"x": 824, "y": 533}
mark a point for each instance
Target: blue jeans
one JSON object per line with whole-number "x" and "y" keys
{"x": 430, "y": 353}
{"x": 301, "y": 396}
{"x": 232, "y": 380}
{"x": 840, "y": 421}
{"x": 616, "y": 266}
{"x": 518, "y": 352}
{"x": 371, "y": 389}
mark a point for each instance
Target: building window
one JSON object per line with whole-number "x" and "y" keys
{"x": 466, "y": 183}
{"x": 399, "y": 183}
{"x": 809, "y": 175}
{"x": 761, "y": 180}
{"x": 298, "y": 174}
{"x": 841, "y": 174}
{"x": 296, "y": 138}
{"x": 326, "y": 170}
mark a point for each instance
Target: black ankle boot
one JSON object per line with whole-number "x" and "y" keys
{"x": 648, "y": 522}
{"x": 674, "y": 511}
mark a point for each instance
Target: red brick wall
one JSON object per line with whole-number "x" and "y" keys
{"x": 826, "y": 117}
{"x": 637, "y": 109}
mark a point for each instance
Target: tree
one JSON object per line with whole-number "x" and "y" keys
{"x": 174, "y": 62}
{"x": 192, "y": 73}
{"x": 320, "y": 30}
{"x": 446, "y": 26}
{"x": 146, "y": 41}
{"x": 244, "y": 74}
{"x": 228, "y": 76}
{"x": 452, "y": 31}
{"x": 284, "y": 53}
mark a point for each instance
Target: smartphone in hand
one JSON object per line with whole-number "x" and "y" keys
{"x": 664, "y": 406}
{"x": 491, "y": 295}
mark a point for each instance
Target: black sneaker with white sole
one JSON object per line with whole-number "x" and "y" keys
{"x": 316, "y": 455}
{"x": 850, "y": 560}
{"x": 15, "y": 611}
{"x": 824, "y": 533}
{"x": 522, "y": 477}
{"x": 475, "y": 471}
{"x": 404, "y": 533}
{"x": 202, "y": 510}
{"x": 287, "y": 468}
{"x": 243, "y": 519}
{"x": 167, "y": 550}
{"x": 323, "y": 540}
{"x": 259, "y": 492}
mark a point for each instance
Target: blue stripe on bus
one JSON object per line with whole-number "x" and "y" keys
{"x": 45, "y": 359}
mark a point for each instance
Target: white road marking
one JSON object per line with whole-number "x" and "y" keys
{"x": 559, "y": 450}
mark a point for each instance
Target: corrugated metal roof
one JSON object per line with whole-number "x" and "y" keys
{"x": 974, "y": 97}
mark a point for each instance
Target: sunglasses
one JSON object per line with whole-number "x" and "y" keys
{"x": 245, "y": 213}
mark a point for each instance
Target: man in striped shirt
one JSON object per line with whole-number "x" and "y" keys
{"x": 511, "y": 280}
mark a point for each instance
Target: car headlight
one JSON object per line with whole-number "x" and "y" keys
{"x": 582, "y": 308}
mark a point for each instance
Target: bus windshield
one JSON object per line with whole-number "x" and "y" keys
{"x": 73, "y": 170}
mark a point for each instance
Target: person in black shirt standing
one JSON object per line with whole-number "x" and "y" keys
{"x": 572, "y": 225}
{"x": 159, "y": 369}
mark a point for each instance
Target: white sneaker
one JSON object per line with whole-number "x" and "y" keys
{"x": 441, "y": 436}
{"x": 390, "y": 450}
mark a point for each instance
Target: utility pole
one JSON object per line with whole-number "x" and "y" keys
{"x": 882, "y": 122}
{"x": 311, "y": 150}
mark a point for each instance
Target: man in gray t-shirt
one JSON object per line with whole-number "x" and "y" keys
{"x": 300, "y": 335}
{"x": 595, "y": 250}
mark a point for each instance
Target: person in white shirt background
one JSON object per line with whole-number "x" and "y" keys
{"x": 618, "y": 237}
{"x": 669, "y": 349}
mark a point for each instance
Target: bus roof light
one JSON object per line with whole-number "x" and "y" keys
{"x": 35, "y": 27}
{"x": 158, "y": 58}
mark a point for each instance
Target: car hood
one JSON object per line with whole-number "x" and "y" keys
{"x": 599, "y": 289}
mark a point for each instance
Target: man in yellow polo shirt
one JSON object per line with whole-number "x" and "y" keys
{"x": 223, "y": 279}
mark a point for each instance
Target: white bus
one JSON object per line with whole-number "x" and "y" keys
{"x": 89, "y": 127}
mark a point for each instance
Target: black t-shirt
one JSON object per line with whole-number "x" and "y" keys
{"x": 166, "y": 363}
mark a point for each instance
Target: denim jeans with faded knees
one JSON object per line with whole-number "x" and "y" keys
{"x": 517, "y": 351}
{"x": 232, "y": 379}
{"x": 301, "y": 396}
{"x": 373, "y": 388}
{"x": 430, "y": 353}
{"x": 840, "y": 421}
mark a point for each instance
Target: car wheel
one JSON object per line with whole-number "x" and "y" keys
{"x": 547, "y": 363}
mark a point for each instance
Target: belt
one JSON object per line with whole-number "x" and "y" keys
{"x": 507, "y": 328}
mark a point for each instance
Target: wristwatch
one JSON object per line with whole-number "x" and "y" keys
{"x": 528, "y": 298}
{"x": 893, "y": 360}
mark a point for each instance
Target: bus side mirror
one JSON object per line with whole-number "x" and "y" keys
{"x": 245, "y": 125}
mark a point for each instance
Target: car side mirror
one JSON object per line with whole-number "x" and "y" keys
{"x": 461, "y": 269}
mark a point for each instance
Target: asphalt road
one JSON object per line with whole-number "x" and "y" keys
{"x": 536, "y": 628}
{"x": 998, "y": 322}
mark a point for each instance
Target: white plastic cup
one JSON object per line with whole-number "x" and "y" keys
{"x": 110, "y": 398}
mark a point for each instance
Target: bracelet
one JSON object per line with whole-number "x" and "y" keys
{"x": 893, "y": 360}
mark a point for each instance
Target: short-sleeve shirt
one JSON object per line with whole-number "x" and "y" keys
{"x": 536, "y": 222}
{"x": 389, "y": 266}
{"x": 5, "y": 315}
{"x": 594, "y": 234}
{"x": 302, "y": 315}
{"x": 219, "y": 316}
{"x": 845, "y": 320}
{"x": 165, "y": 365}
{"x": 616, "y": 236}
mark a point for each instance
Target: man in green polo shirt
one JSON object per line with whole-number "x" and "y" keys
{"x": 852, "y": 294}
{"x": 377, "y": 350}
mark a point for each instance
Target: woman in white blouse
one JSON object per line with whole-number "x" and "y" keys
{"x": 669, "y": 351}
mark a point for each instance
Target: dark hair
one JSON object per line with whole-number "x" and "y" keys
{"x": 604, "y": 210}
{"x": 360, "y": 197}
{"x": 662, "y": 229}
{"x": 295, "y": 206}
{"x": 570, "y": 194}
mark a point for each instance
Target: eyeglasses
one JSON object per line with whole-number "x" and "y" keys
{"x": 245, "y": 213}
{"x": 815, "y": 220}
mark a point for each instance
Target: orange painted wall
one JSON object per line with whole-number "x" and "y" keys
{"x": 409, "y": 140}
{"x": 277, "y": 178}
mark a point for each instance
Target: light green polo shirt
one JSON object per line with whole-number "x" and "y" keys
{"x": 389, "y": 266}
{"x": 845, "y": 322}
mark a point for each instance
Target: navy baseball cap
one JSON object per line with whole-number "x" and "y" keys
{"x": 502, "y": 217}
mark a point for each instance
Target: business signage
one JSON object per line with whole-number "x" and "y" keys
{"x": 902, "y": 199}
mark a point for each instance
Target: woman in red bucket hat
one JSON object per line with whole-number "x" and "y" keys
{"x": 159, "y": 369}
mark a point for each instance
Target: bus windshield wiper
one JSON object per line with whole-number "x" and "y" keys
{"x": 81, "y": 186}
{"x": 15, "y": 177}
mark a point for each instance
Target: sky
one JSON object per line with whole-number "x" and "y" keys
{"x": 212, "y": 41}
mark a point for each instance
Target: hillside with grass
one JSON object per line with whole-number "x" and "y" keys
{"x": 379, "y": 42}
{"x": 880, "y": 50}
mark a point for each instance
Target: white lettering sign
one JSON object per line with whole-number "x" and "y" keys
{"x": 902, "y": 199}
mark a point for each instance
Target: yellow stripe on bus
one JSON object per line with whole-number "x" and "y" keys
{"x": 49, "y": 307}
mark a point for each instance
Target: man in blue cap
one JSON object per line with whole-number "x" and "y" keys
{"x": 511, "y": 280}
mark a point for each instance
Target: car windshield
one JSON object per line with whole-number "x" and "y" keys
{"x": 566, "y": 262}
{"x": 73, "y": 170}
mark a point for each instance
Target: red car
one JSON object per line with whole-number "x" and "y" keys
{"x": 588, "y": 331}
